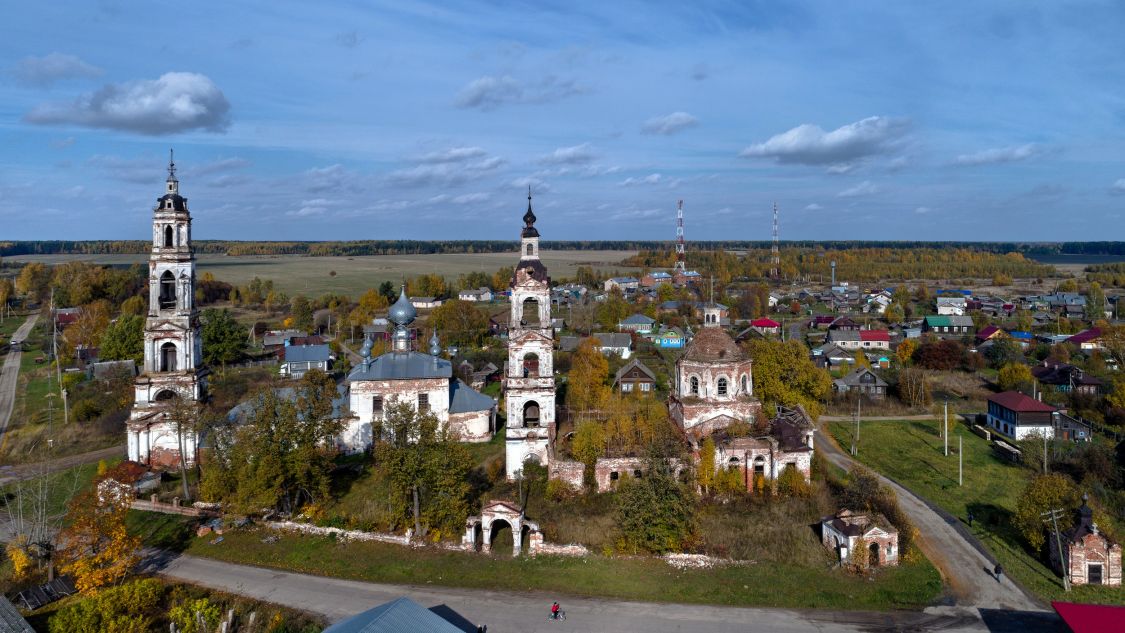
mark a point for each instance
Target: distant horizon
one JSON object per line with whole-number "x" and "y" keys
{"x": 431, "y": 120}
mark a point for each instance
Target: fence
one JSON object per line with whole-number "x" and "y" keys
{"x": 171, "y": 508}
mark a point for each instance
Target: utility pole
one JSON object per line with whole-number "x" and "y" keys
{"x": 1053, "y": 515}
{"x": 945, "y": 428}
{"x": 855, "y": 436}
{"x": 1044, "y": 453}
{"x": 55, "y": 353}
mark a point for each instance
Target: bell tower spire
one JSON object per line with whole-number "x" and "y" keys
{"x": 173, "y": 183}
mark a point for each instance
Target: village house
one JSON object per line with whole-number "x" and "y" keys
{"x": 942, "y": 325}
{"x": 1066, "y": 378}
{"x": 766, "y": 326}
{"x": 871, "y": 533}
{"x": 988, "y": 333}
{"x": 475, "y": 295}
{"x": 863, "y": 381}
{"x": 425, "y": 381}
{"x": 877, "y": 302}
{"x": 654, "y": 279}
{"x": 1016, "y": 416}
{"x": 425, "y": 303}
{"x": 952, "y": 306}
{"x": 686, "y": 278}
{"x": 669, "y": 338}
{"x": 299, "y": 359}
{"x": 638, "y": 323}
{"x": 627, "y": 285}
{"x": 1088, "y": 557}
{"x": 634, "y": 376}
{"x": 832, "y": 356}
{"x": 860, "y": 339}
{"x": 1087, "y": 340}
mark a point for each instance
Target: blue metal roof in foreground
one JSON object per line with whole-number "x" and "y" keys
{"x": 402, "y": 366}
{"x": 402, "y": 615}
{"x": 463, "y": 398}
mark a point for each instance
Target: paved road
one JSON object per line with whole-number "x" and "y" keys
{"x": 10, "y": 373}
{"x": 962, "y": 565}
{"x": 526, "y": 611}
{"x": 29, "y": 471}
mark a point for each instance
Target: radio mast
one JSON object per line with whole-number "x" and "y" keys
{"x": 681, "y": 263}
{"x": 775, "y": 252}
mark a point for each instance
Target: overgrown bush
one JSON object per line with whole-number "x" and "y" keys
{"x": 128, "y": 608}
{"x": 656, "y": 513}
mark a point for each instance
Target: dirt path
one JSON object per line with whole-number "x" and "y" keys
{"x": 848, "y": 418}
{"x": 10, "y": 374}
{"x": 964, "y": 567}
{"x": 29, "y": 471}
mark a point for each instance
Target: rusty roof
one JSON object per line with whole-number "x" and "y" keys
{"x": 713, "y": 344}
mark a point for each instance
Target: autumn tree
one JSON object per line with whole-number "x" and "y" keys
{"x": 861, "y": 359}
{"x": 905, "y": 350}
{"x": 1003, "y": 351}
{"x": 459, "y": 323}
{"x": 586, "y": 382}
{"x": 302, "y": 313}
{"x": 427, "y": 469}
{"x": 914, "y": 387}
{"x": 134, "y": 306}
{"x": 129, "y": 608}
{"x": 655, "y": 513}
{"x": 34, "y": 281}
{"x": 612, "y": 311}
{"x": 7, "y": 289}
{"x": 588, "y": 444}
{"x": 1043, "y": 493}
{"x": 96, "y": 548}
{"x": 92, "y": 322}
{"x": 124, "y": 339}
{"x": 635, "y": 425}
{"x": 940, "y": 355}
{"x": 894, "y": 313}
{"x": 785, "y": 375}
{"x": 706, "y": 474}
{"x": 1014, "y": 377}
{"x": 371, "y": 303}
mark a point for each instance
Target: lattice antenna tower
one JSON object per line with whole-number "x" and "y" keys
{"x": 775, "y": 251}
{"x": 681, "y": 258}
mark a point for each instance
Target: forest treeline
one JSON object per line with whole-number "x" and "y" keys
{"x": 422, "y": 247}
{"x": 854, "y": 264}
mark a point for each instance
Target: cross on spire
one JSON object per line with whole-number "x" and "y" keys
{"x": 171, "y": 164}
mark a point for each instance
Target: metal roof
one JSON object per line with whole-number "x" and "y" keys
{"x": 307, "y": 353}
{"x": 10, "y": 619}
{"x": 463, "y": 398}
{"x": 403, "y": 366}
{"x": 401, "y": 615}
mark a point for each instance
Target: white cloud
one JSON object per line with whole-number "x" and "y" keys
{"x": 865, "y": 188}
{"x": 491, "y": 92}
{"x": 573, "y": 155}
{"x": 43, "y": 72}
{"x": 453, "y": 155}
{"x": 176, "y": 102}
{"x": 216, "y": 166}
{"x": 134, "y": 170}
{"x": 669, "y": 123}
{"x": 314, "y": 207}
{"x": 470, "y": 198}
{"x": 842, "y": 168}
{"x": 651, "y": 179}
{"x": 1000, "y": 155}
{"x": 1118, "y": 187}
{"x": 813, "y": 207}
{"x": 808, "y": 144}
{"x": 922, "y": 210}
{"x": 537, "y": 185}
{"x": 325, "y": 178}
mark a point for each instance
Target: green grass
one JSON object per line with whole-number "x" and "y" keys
{"x": 910, "y": 452}
{"x": 295, "y": 274}
{"x": 61, "y": 485}
{"x": 482, "y": 452}
{"x": 912, "y": 585}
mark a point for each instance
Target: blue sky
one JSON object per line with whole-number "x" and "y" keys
{"x": 861, "y": 120}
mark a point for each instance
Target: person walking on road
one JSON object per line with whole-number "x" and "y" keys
{"x": 999, "y": 570}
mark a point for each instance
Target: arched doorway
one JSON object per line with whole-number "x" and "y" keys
{"x": 531, "y": 413}
{"x": 168, "y": 357}
{"x": 525, "y": 539}
{"x": 478, "y": 537}
{"x": 873, "y": 555}
{"x": 500, "y": 538}
{"x": 165, "y": 395}
{"x": 167, "y": 290}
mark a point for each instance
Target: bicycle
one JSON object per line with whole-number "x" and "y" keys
{"x": 560, "y": 617}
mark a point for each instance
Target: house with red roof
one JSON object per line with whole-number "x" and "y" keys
{"x": 988, "y": 333}
{"x": 860, "y": 339}
{"x": 1087, "y": 339}
{"x": 1017, "y": 416}
{"x": 766, "y": 326}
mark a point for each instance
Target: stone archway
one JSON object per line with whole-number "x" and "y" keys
{"x": 873, "y": 555}
{"x": 500, "y": 533}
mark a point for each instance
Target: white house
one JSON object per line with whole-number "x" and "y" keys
{"x": 952, "y": 306}
{"x": 478, "y": 294}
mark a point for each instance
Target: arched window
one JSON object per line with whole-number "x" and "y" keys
{"x": 165, "y": 395}
{"x": 745, "y": 384}
{"x": 721, "y": 388}
{"x": 169, "y": 234}
{"x": 531, "y": 365}
{"x": 530, "y": 314}
{"x": 531, "y": 414}
{"x": 167, "y": 290}
{"x": 694, "y": 389}
{"x": 168, "y": 357}
{"x": 530, "y": 250}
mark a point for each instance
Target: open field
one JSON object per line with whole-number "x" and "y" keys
{"x": 312, "y": 275}
{"x": 635, "y": 578}
{"x": 910, "y": 452}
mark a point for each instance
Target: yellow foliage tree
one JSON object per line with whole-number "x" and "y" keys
{"x": 1014, "y": 376}
{"x": 96, "y": 548}
{"x": 586, "y": 388}
{"x": 905, "y": 350}
{"x": 861, "y": 359}
{"x": 16, "y": 549}
{"x": 706, "y": 473}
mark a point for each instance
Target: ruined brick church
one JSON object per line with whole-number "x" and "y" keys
{"x": 173, "y": 348}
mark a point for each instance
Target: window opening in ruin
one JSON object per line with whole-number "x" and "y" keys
{"x": 694, "y": 386}
{"x": 423, "y": 403}
{"x": 168, "y": 237}
{"x": 165, "y": 395}
{"x": 530, "y": 250}
{"x": 1094, "y": 574}
{"x": 637, "y": 474}
{"x": 873, "y": 559}
{"x": 377, "y": 407}
{"x": 722, "y": 388}
{"x": 614, "y": 476}
{"x": 531, "y": 366}
{"x": 530, "y": 315}
{"x": 168, "y": 357}
{"x": 167, "y": 290}
{"x": 745, "y": 389}
{"x": 531, "y": 414}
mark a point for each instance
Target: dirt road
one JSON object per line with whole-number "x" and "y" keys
{"x": 10, "y": 374}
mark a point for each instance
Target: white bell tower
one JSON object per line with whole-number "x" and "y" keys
{"x": 173, "y": 346}
{"x": 529, "y": 379}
